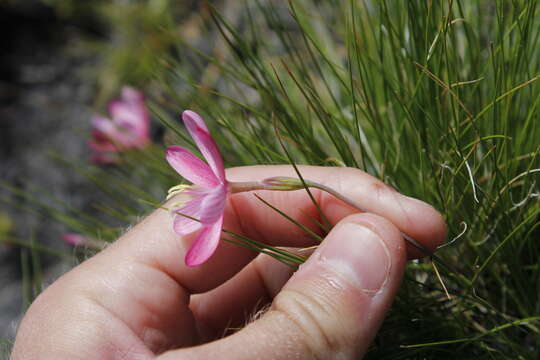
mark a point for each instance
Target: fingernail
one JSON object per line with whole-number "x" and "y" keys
{"x": 358, "y": 254}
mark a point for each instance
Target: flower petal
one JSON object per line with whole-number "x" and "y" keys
{"x": 100, "y": 142}
{"x": 131, "y": 118}
{"x": 103, "y": 125}
{"x": 108, "y": 130}
{"x": 196, "y": 118}
{"x": 205, "y": 244}
{"x": 190, "y": 167}
{"x": 183, "y": 225}
{"x": 129, "y": 94}
{"x": 206, "y": 144}
{"x": 129, "y": 113}
{"x": 74, "y": 239}
{"x": 213, "y": 204}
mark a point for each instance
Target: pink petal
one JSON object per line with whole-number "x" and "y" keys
{"x": 195, "y": 118}
{"x": 190, "y": 167}
{"x": 100, "y": 142}
{"x": 108, "y": 131}
{"x": 123, "y": 113}
{"x": 213, "y": 204}
{"x": 74, "y": 239}
{"x": 131, "y": 116}
{"x": 129, "y": 94}
{"x": 206, "y": 243}
{"x": 103, "y": 125}
{"x": 208, "y": 147}
{"x": 183, "y": 225}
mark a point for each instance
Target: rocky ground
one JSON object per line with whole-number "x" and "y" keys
{"x": 43, "y": 110}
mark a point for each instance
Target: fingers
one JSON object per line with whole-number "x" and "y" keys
{"x": 240, "y": 298}
{"x": 413, "y": 217}
{"x": 332, "y": 307}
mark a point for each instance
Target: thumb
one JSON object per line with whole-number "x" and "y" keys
{"x": 332, "y": 307}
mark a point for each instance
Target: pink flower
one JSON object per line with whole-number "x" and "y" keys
{"x": 74, "y": 239}
{"x": 128, "y": 129}
{"x": 206, "y": 199}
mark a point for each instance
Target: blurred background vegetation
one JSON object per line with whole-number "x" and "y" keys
{"x": 440, "y": 99}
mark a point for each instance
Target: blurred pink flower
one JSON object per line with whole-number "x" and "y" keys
{"x": 129, "y": 127}
{"x": 74, "y": 239}
{"x": 205, "y": 200}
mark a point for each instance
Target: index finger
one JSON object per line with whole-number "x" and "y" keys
{"x": 413, "y": 217}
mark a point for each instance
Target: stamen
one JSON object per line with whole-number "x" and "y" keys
{"x": 175, "y": 190}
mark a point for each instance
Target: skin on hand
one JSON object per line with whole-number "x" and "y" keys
{"x": 137, "y": 299}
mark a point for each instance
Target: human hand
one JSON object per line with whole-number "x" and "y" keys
{"x": 137, "y": 300}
